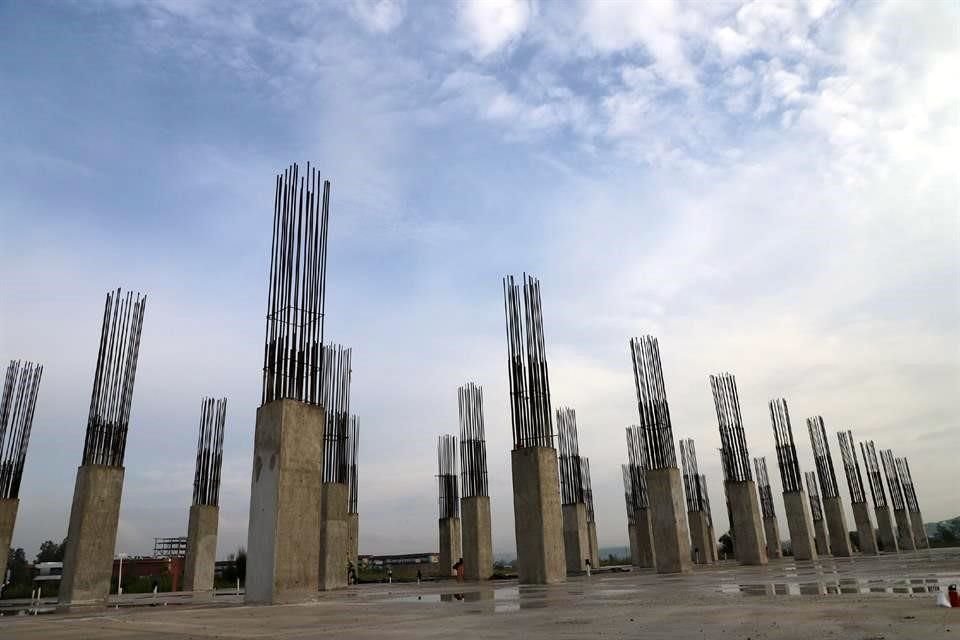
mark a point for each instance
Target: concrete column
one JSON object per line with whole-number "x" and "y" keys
{"x": 904, "y": 530}
{"x": 771, "y": 530}
{"x": 594, "y": 545}
{"x": 865, "y": 531}
{"x": 647, "y": 557}
{"x": 802, "y": 537}
{"x": 634, "y": 550}
{"x": 576, "y": 538}
{"x": 747, "y": 524}
{"x": 201, "y": 548}
{"x": 919, "y": 531}
{"x": 450, "y": 541}
{"x": 887, "y": 537}
{"x": 91, "y": 537}
{"x": 538, "y": 522}
{"x": 822, "y": 539}
{"x": 837, "y": 527}
{"x": 477, "y": 538}
{"x": 353, "y": 539}
{"x": 283, "y": 538}
{"x": 714, "y": 544}
{"x": 701, "y": 548}
{"x": 671, "y": 538}
{"x": 8, "y": 518}
{"x": 334, "y": 535}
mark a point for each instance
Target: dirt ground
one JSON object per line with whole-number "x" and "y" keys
{"x": 861, "y": 598}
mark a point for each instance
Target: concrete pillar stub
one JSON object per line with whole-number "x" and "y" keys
{"x": 450, "y": 545}
{"x": 800, "y": 523}
{"x": 200, "y": 562}
{"x": 538, "y": 522}
{"x": 634, "y": 551}
{"x": 353, "y": 539}
{"x": 747, "y": 523}
{"x": 477, "y": 538}
{"x": 771, "y": 530}
{"x": 671, "y": 538}
{"x": 576, "y": 537}
{"x": 701, "y": 549}
{"x": 714, "y": 544}
{"x": 886, "y": 536}
{"x": 91, "y": 536}
{"x": 821, "y": 537}
{"x": 837, "y": 527}
{"x": 919, "y": 531}
{"x": 8, "y": 518}
{"x": 283, "y": 538}
{"x": 905, "y": 538}
{"x": 594, "y": 545}
{"x": 865, "y": 531}
{"x": 647, "y": 556}
{"x": 334, "y": 535}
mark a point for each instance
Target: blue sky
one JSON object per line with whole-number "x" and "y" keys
{"x": 770, "y": 188}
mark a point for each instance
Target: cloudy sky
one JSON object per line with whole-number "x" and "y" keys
{"x": 770, "y": 188}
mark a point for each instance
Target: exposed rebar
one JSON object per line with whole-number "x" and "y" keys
{"x": 763, "y": 487}
{"x": 790, "y": 476}
{"x": 909, "y": 490}
{"x": 637, "y": 455}
{"x": 628, "y": 492}
{"x": 17, "y": 405}
{"x": 734, "y": 456}
{"x": 652, "y": 402}
{"x": 473, "y": 444}
{"x": 206, "y": 475}
{"x": 587, "y": 488}
{"x": 447, "y": 476}
{"x": 106, "y": 438}
{"x": 874, "y": 475}
{"x": 816, "y": 507}
{"x": 822, "y": 457}
{"x": 893, "y": 479}
{"x": 293, "y": 346}
{"x": 335, "y": 398}
{"x": 353, "y": 448}
{"x": 851, "y": 467}
{"x": 571, "y": 472}
{"x": 691, "y": 476}
{"x": 702, "y": 484}
{"x": 527, "y": 365}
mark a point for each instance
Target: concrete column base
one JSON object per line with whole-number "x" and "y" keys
{"x": 919, "y": 531}
{"x": 538, "y": 522}
{"x": 821, "y": 538}
{"x": 771, "y": 530}
{"x": 91, "y": 537}
{"x": 576, "y": 538}
{"x": 671, "y": 538}
{"x": 594, "y": 546}
{"x": 802, "y": 537}
{"x": 905, "y": 538}
{"x": 865, "y": 531}
{"x": 837, "y": 527}
{"x": 283, "y": 537}
{"x": 8, "y": 518}
{"x": 714, "y": 543}
{"x": 747, "y": 525}
{"x": 634, "y": 551}
{"x": 886, "y": 537}
{"x": 334, "y": 534}
{"x": 701, "y": 549}
{"x": 477, "y": 538}
{"x": 353, "y": 539}
{"x": 647, "y": 556}
{"x": 450, "y": 549}
{"x": 201, "y": 557}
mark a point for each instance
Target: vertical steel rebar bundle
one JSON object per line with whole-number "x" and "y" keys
{"x": 473, "y": 444}
{"x": 733, "y": 453}
{"x": 702, "y": 484}
{"x": 637, "y": 455}
{"x": 335, "y": 397}
{"x": 790, "y": 476}
{"x": 353, "y": 447}
{"x": 816, "y": 507}
{"x": 822, "y": 457}
{"x": 691, "y": 476}
{"x": 893, "y": 479}
{"x": 652, "y": 402}
{"x": 527, "y": 365}
{"x": 628, "y": 491}
{"x": 851, "y": 467}
{"x": 763, "y": 487}
{"x": 206, "y": 475}
{"x": 909, "y": 490}
{"x": 869, "y": 452}
{"x": 587, "y": 488}
{"x": 106, "y": 438}
{"x": 20, "y": 388}
{"x": 571, "y": 472}
{"x": 447, "y": 476}
{"x": 293, "y": 346}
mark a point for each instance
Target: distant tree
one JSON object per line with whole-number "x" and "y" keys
{"x": 726, "y": 543}
{"x": 854, "y": 539}
{"x": 50, "y": 551}
{"x": 240, "y": 561}
{"x": 946, "y": 535}
{"x": 17, "y": 568}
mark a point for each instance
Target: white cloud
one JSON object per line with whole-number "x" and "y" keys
{"x": 491, "y": 25}
{"x": 379, "y": 16}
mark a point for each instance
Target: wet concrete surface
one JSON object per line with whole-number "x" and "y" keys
{"x": 890, "y": 596}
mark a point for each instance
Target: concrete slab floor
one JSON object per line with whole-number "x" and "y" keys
{"x": 890, "y": 596}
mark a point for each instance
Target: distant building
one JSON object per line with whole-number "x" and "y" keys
{"x": 429, "y": 558}
{"x": 47, "y": 573}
